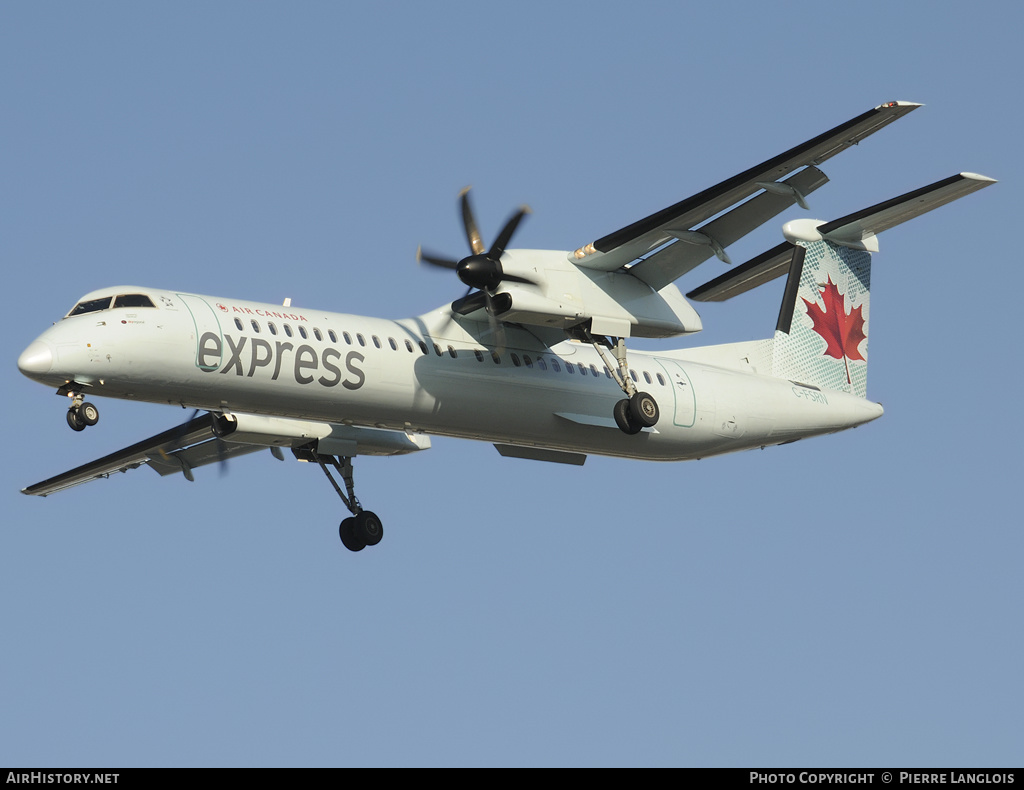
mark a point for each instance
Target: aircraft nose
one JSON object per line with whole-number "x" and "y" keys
{"x": 36, "y": 359}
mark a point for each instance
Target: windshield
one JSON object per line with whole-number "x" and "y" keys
{"x": 103, "y": 303}
{"x": 90, "y": 306}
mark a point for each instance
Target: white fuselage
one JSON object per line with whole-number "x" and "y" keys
{"x": 422, "y": 375}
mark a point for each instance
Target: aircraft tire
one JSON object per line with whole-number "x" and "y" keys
{"x": 368, "y": 528}
{"x": 88, "y": 414}
{"x": 624, "y": 418}
{"x": 348, "y": 535}
{"x": 75, "y": 421}
{"x": 644, "y": 409}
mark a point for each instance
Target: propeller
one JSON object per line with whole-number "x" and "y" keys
{"x": 222, "y": 448}
{"x": 481, "y": 269}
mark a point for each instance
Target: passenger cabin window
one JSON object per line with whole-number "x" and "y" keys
{"x": 238, "y": 324}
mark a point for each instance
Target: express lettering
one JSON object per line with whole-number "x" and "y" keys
{"x": 247, "y": 355}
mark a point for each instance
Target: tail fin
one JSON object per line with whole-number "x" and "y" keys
{"x": 821, "y": 337}
{"x": 822, "y": 334}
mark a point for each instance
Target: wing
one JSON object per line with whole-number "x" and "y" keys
{"x": 179, "y": 450}
{"x": 679, "y": 226}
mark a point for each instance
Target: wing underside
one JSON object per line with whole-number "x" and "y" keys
{"x": 176, "y": 451}
{"x": 679, "y": 230}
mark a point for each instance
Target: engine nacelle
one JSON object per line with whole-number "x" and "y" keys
{"x": 561, "y": 295}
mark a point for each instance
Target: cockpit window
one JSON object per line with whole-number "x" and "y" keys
{"x": 104, "y": 303}
{"x": 133, "y": 300}
{"x": 90, "y": 306}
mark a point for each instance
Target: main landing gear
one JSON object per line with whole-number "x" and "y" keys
{"x": 638, "y": 410}
{"x": 364, "y": 528}
{"x": 81, "y": 414}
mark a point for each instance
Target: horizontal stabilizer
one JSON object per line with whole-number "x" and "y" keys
{"x": 856, "y": 227}
{"x": 757, "y": 271}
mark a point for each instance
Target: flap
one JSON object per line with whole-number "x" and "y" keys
{"x": 673, "y": 261}
{"x": 629, "y": 243}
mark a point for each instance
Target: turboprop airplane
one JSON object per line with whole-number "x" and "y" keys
{"x": 532, "y": 359}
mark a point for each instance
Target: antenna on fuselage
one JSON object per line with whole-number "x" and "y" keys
{"x": 287, "y": 302}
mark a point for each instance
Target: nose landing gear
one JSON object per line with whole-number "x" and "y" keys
{"x": 81, "y": 414}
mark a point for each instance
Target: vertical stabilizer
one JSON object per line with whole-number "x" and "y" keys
{"x": 822, "y": 334}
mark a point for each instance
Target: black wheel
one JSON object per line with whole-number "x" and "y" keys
{"x": 644, "y": 409}
{"x": 368, "y": 528}
{"x": 88, "y": 414}
{"x": 624, "y": 418}
{"x": 75, "y": 421}
{"x": 349, "y": 537}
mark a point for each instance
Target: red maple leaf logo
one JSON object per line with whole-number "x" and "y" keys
{"x": 841, "y": 331}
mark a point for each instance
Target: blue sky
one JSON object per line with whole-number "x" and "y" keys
{"x": 851, "y": 600}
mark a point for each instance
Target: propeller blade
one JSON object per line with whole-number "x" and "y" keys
{"x": 435, "y": 260}
{"x": 515, "y": 278}
{"x": 497, "y": 330}
{"x": 222, "y": 456}
{"x": 476, "y": 242}
{"x": 498, "y": 248}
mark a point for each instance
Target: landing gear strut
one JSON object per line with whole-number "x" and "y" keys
{"x": 364, "y": 528}
{"x": 638, "y": 410}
